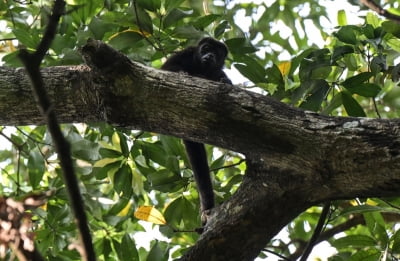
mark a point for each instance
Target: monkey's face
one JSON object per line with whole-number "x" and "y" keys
{"x": 208, "y": 56}
{"x": 211, "y": 56}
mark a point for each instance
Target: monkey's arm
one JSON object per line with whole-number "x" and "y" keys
{"x": 180, "y": 62}
{"x": 224, "y": 78}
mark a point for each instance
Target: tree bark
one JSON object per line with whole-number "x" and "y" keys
{"x": 295, "y": 158}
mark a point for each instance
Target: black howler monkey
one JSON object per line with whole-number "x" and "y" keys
{"x": 205, "y": 60}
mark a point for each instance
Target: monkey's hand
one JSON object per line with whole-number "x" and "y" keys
{"x": 226, "y": 80}
{"x": 184, "y": 73}
{"x": 205, "y": 215}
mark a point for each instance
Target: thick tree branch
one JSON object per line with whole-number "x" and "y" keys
{"x": 295, "y": 158}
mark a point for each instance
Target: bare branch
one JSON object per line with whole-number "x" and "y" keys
{"x": 32, "y": 64}
{"x": 377, "y": 8}
{"x": 317, "y": 231}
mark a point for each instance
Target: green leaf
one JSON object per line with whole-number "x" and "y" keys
{"x": 273, "y": 75}
{"x": 368, "y": 31}
{"x": 172, "y": 163}
{"x": 396, "y": 242}
{"x": 352, "y": 107}
{"x": 351, "y": 62}
{"x": 120, "y": 205}
{"x": 247, "y": 72}
{"x": 251, "y": 69}
{"x": 334, "y": 103}
{"x": 25, "y": 38}
{"x": 99, "y": 27}
{"x": 306, "y": 88}
{"x": 102, "y": 245}
{"x": 391, "y": 27}
{"x": 378, "y": 64}
{"x": 395, "y": 73}
{"x": 175, "y": 15}
{"x": 347, "y": 34}
{"x": 240, "y": 46}
{"x": 170, "y": 4}
{"x": 352, "y": 241}
{"x": 204, "y": 21}
{"x": 367, "y": 209}
{"x": 127, "y": 249}
{"x": 154, "y": 152}
{"x": 314, "y": 101}
{"x": 365, "y": 89}
{"x": 394, "y": 43}
{"x": 143, "y": 20}
{"x": 107, "y": 153}
{"x": 218, "y": 163}
{"x": 340, "y": 51}
{"x": 373, "y": 19}
{"x": 125, "y": 40}
{"x": 86, "y": 11}
{"x": 36, "y": 168}
{"x": 298, "y": 59}
{"x": 356, "y": 84}
{"x": 370, "y": 254}
{"x": 152, "y": 5}
{"x": 187, "y": 32}
{"x": 159, "y": 252}
{"x": 166, "y": 181}
{"x": 172, "y": 145}
{"x": 123, "y": 144}
{"x": 321, "y": 72}
{"x": 356, "y": 80}
{"x": 85, "y": 150}
{"x": 123, "y": 181}
{"x": 316, "y": 66}
{"x": 221, "y": 28}
{"x": 341, "y": 17}
{"x": 376, "y": 226}
{"x": 106, "y": 170}
{"x": 181, "y": 213}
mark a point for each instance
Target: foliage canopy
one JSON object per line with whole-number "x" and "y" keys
{"x": 354, "y": 73}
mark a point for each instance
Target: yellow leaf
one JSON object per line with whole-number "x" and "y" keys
{"x": 371, "y": 202}
{"x": 44, "y": 207}
{"x": 150, "y": 214}
{"x": 116, "y": 141}
{"x": 143, "y": 33}
{"x": 103, "y": 162}
{"x": 284, "y": 67}
{"x": 125, "y": 210}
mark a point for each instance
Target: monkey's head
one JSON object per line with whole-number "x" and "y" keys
{"x": 211, "y": 54}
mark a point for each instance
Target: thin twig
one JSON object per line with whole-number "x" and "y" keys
{"x": 317, "y": 231}
{"x": 32, "y": 63}
{"x": 229, "y": 166}
{"x": 274, "y": 253}
{"x": 376, "y": 109}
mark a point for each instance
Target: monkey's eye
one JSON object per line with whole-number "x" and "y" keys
{"x": 206, "y": 48}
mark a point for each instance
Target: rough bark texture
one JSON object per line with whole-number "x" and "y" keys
{"x": 71, "y": 88}
{"x": 295, "y": 158}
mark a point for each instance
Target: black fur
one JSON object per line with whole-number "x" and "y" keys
{"x": 205, "y": 60}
